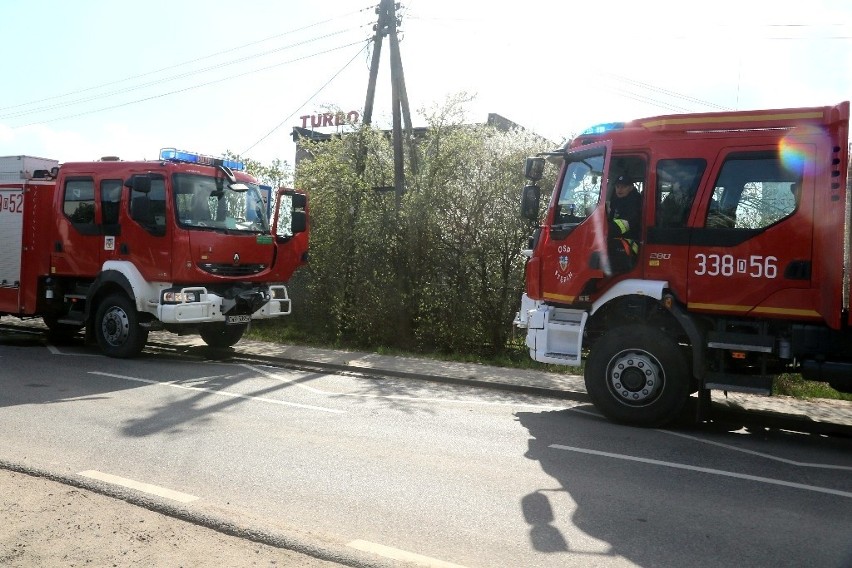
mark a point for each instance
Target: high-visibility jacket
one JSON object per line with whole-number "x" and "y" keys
{"x": 625, "y": 214}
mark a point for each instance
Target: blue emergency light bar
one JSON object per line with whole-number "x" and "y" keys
{"x": 173, "y": 155}
{"x": 603, "y": 128}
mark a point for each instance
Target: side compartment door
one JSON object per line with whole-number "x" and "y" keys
{"x": 751, "y": 250}
{"x": 12, "y": 213}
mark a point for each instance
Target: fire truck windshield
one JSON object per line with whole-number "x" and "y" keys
{"x": 207, "y": 202}
{"x": 580, "y": 188}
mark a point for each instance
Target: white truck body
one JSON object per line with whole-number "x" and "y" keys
{"x": 15, "y": 168}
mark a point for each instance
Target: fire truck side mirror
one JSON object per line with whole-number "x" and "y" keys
{"x": 142, "y": 183}
{"x": 534, "y": 168}
{"x": 299, "y": 222}
{"x": 530, "y": 202}
{"x": 299, "y": 219}
{"x": 291, "y": 216}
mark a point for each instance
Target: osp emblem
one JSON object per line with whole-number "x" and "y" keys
{"x": 236, "y": 259}
{"x": 563, "y": 263}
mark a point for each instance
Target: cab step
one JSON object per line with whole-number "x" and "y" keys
{"x": 72, "y": 318}
{"x": 559, "y": 340}
{"x": 740, "y": 341}
{"x": 750, "y": 384}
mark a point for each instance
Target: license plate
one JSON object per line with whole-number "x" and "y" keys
{"x": 233, "y": 320}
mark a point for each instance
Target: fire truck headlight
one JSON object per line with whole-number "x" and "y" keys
{"x": 173, "y": 297}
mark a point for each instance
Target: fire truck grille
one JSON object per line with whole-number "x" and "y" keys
{"x": 231, "y": 270}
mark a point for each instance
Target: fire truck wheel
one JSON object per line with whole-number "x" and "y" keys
{"x": 221, "y": 336}
{"x": 637, "y": 375}
{"x": 117, "y": 328}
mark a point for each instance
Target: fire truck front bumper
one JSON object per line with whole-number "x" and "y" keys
{"x": 198, "y": 305}
{"x": 522, "y": 317}
{"x": 554, "y": 335}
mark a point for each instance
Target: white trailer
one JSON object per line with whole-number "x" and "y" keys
{"x": 16, "y": 168}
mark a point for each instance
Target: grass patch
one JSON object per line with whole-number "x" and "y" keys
{"x": 796, "y": 386}
{"x": 515, "y": 356}
{"x": 274, "y": 332}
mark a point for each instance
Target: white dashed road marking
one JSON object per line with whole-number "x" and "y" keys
{"x": 745, "y": 476}
{"x": 402, "y": 555}
{"x": 139, "y": 486}
{"x": 760, "y": 454}
{"x": 218, "y": 392}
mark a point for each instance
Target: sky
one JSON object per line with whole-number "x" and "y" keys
{"x": 82, "y": 80}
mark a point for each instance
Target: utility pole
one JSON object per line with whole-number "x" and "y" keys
{"x": 387, "y": 26}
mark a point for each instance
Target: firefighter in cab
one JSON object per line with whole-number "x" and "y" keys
{"x": 625, "y": 213}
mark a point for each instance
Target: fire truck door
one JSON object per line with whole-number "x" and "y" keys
{"x": 79, "y": 239}
{"x": 574, "y": 248}
{"x": 750, "y": 250}
{"x": 145, "y": 239}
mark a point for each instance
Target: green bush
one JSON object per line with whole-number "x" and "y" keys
{"x": 437, "y": 269}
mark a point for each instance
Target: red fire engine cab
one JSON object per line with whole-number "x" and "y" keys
{"x": 186, "y": 243}
{"x": 743, "y": 263}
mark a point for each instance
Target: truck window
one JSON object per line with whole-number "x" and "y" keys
{"x": 110, "y": 198}
{"x": 630, "y": 167}
{"x": 149, "y": 209}
{"x": 754, "y": 191}
{"x": 581, "y": 187}
{"x": 625, "y": 191}
{"x": 677, "y": 184}
{"x": 208, "y": 202}
{"x": 79, "y": 201}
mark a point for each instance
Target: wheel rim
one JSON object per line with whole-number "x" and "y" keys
{"x": 115, "y": 326}
{"x": 635, "y": 377}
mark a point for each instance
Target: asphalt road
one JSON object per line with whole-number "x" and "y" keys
{"x": 463, "y": 476}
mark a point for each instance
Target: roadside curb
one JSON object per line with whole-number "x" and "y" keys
{"x": 220, "y": 524}
{"x": 445, "y": 379}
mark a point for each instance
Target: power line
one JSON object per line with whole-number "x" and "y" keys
{"x": 318, "y": 91}
{"x": 651, "y": 101}
{"x": 210, "y": 56}
{"x": 192, "y": 87}
{"x": 667, "y": 92}
{"x": 171, "y": 78}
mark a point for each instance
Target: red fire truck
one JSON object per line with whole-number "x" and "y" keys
{"x": 186, "y": 243}
{"x": 743, "y": 263}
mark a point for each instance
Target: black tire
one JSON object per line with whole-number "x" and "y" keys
{"x": 637, "y": 375}
{"x": 221, "y": 336}
{"x": 117, "y": 328}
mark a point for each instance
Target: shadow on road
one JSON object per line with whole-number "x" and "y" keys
{"x": 653, "y": 514}
{"x": 30, "y": 372}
